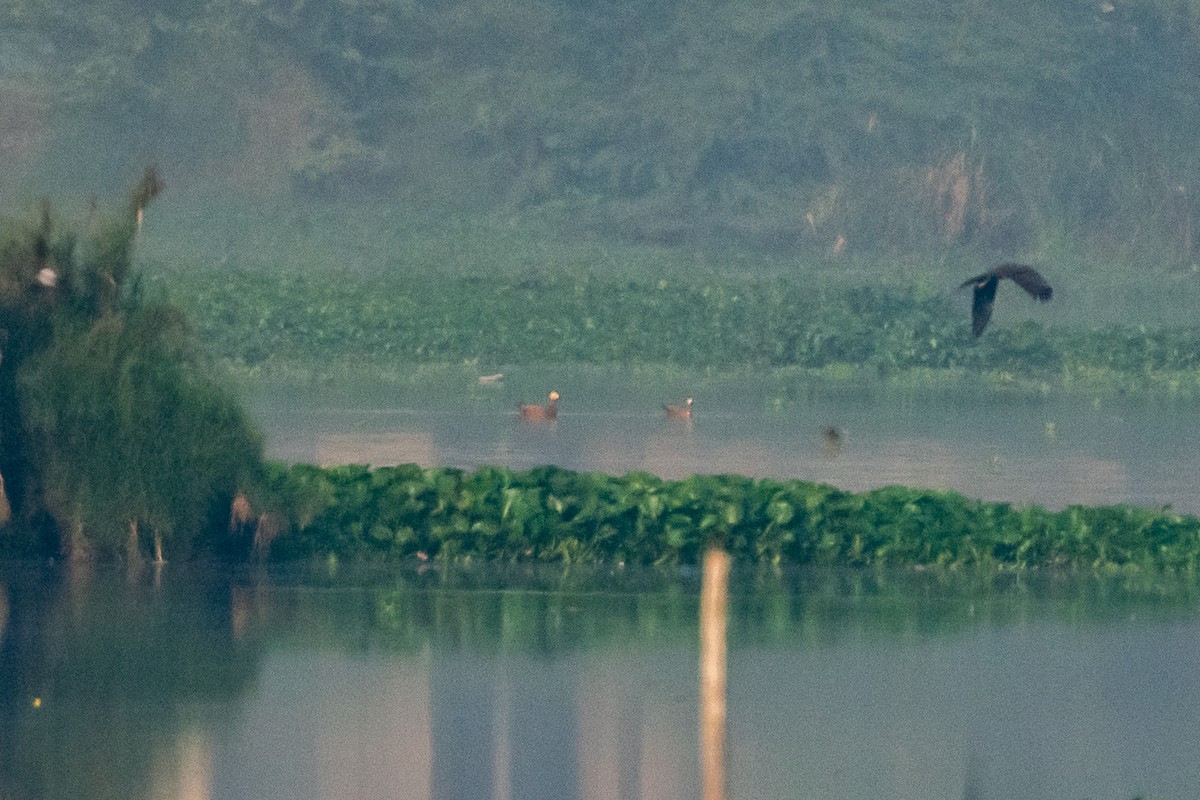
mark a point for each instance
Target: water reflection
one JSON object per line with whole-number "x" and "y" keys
{"x": 99, "y": 682}
{"x": 463, "y": 735}
{"x": 185, "y": 772}
{"x": 583, "y": 686}
{"x": 714, "y": 611}
{"x": 3, "y": 612}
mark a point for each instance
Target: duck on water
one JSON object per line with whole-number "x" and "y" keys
{"x": 533, "y": 411}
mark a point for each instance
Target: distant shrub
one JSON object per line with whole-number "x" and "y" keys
{"x": 110, "y": 422}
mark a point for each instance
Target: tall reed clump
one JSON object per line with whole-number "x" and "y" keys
{"x": 113, "y": 435}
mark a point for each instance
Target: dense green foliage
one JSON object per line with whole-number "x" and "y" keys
{"x": 550, "y": 514}
{"x": 706, "y": 321}
{"x": 109, "y": 418}
{"x": 883, "y": 126}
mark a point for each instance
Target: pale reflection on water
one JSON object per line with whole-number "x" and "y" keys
{"x": 1041, "y": 713}
{"x": 1054, "y": 452}
{"x": 430, "y": 686}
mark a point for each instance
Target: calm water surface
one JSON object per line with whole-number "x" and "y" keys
{"x": 483, "y": 685}
{"x": 565, "y": 686}
{"x": 996, "y": 445}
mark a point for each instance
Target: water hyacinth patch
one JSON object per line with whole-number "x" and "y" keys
{"x": 550, "y": 514}
{"x": 257, "y": 320}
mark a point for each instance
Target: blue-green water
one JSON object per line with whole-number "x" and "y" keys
{"x": 182, "y": 683}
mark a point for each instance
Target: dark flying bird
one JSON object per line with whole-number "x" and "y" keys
{"x": 985, "y": 285}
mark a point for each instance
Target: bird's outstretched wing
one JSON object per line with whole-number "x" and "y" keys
{"x": 985, "y": 298}
{"x": 1027, "y": 278}
{"x": 985, "y": 285}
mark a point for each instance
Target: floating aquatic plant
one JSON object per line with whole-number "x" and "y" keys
{"x": 550, "y": 514}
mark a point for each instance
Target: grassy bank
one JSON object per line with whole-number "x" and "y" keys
{"x": 554, "y": 515}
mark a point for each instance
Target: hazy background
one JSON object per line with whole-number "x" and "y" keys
{"x": 911, "y": 140}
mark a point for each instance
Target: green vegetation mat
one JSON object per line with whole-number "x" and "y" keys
{"x": 258, "y": 320}
{"x": 551, "y": 514}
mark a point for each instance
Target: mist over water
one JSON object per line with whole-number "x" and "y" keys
{"x": 898, "y": 146}
{"x": 1052, "y": 451}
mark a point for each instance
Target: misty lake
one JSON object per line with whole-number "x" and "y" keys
{"x": 480, "y": 685}
{"x": 504, "y": 683}
{"x": 1053, "y": 450}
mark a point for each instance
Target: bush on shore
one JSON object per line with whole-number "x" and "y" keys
{"x": 111, "y": 425}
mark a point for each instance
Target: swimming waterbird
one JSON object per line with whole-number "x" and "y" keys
{"x": 680, "y": 412}
{"x": 534, "y": 411}
{"x": 831, "y": 441}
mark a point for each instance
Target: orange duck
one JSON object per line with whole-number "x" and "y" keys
{"x": 680, "y": 412}
{"x": 535, "y": 412}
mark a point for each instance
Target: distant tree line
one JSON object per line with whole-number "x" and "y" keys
{"x": 113, "y": 436}
{"x": 902, "y": 127}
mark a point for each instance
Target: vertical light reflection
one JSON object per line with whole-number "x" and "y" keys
{"x": 3, "y": 611}
{"x": 186, "y": 772}
{"x": 463, "y": 731}
{"x": 714, "y": 609}
{"x": 609, "y": 707}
